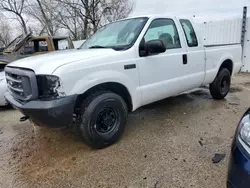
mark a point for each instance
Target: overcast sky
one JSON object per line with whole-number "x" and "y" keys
{"x": 203, "y": 9}
{"x": 197, "y": 7}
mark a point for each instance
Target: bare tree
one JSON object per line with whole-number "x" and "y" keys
{"x": 15, "y": 7}
{"x": 46, "y": 13}
{"x": 80, "y": 9}
{"x": 95, "y": 13}
{"x": 5, "y": 34}
{"x": 80, "y": 18}
{"x": 101, "y": 11}
{"x": 70, "y": 20}
{"x": 119, "y": 9}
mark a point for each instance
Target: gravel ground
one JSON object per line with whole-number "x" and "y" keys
{"x": 166, "y": 144}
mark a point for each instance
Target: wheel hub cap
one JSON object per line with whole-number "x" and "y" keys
{"x": 106, "y": 120}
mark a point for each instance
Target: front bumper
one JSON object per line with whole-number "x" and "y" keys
{"x": 239, "y": 167}
{"x": 54, "y": 113}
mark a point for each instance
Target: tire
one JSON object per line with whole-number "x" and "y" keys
{"x": 221, "y": 85}
{"x": 102, "y": 119}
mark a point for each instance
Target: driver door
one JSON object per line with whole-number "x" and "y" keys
{"x": 165, "y": 74}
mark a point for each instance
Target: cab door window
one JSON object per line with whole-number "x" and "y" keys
{"x": 164, "y": 30}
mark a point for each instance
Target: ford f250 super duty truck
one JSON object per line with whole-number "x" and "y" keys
{"x": 123, "y": 66}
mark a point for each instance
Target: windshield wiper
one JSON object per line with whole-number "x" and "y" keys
{"x": 97, "y": 46}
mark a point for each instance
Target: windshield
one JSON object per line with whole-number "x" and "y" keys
{"x": 117, "y": 35}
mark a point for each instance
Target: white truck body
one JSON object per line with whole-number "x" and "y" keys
{"x": 155, "y": 78}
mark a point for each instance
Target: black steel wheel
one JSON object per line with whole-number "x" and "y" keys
{"x": 102, "y": 119}
{"x": 107, "y": 120}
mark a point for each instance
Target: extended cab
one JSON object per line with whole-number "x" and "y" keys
{"x": 123, "y": 66}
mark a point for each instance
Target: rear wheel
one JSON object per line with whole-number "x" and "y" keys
{"x": 102, "y": 119}
{"x": 221, "y": 85}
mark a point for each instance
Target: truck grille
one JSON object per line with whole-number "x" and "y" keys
{"x": 21, "y": 83}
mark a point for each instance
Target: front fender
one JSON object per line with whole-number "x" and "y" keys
{"x": 93, "y": 79}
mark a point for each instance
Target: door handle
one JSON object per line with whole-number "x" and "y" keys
{"x": 185, "y": 59}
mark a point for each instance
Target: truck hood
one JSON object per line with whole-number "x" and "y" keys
{"x": 48, "y": 63}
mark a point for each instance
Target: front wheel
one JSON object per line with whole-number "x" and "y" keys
{"x": 102, "y": 119}
{"x": 221, "y": 85}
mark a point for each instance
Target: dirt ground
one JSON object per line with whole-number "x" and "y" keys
{"x": 167, "y": 144}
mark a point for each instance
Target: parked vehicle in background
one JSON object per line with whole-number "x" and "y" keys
{"x": 3, "y": 63}
{"x": 25, "y": 46}
{"x": 28, "y": 45}
{"x": 123, "y": 66}
{"x": 1, "y": 51}
{"x": 3, "y": 84}
{"x": 239, "y": 168}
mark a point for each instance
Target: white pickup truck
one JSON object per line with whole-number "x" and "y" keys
{"x": 123, "y": 66}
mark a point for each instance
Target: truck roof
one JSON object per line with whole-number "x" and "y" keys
{"x": 152, "y": 16}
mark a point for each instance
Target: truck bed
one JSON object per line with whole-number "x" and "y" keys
{"x": 216, "y": 53}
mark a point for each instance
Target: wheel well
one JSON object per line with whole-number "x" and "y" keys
{"x": 228, "y": 64}
{"x": 117, "y": 88}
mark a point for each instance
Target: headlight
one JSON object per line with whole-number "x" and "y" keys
{"x": 244, "y": 132}
{"x": 48, "y": 85}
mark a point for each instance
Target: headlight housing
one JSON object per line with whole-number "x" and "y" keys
{"x": 244, "y": 132}
{"x": 48, "y": 85}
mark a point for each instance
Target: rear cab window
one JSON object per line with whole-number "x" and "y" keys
{"x": 189, "y": 33}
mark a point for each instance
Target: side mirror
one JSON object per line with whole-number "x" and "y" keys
{"x": 155, "y": 47}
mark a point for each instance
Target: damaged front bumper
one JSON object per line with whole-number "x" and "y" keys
{"x": 54, "y": 113}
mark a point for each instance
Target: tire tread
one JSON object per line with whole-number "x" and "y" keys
{"x": 214, "y": 86}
